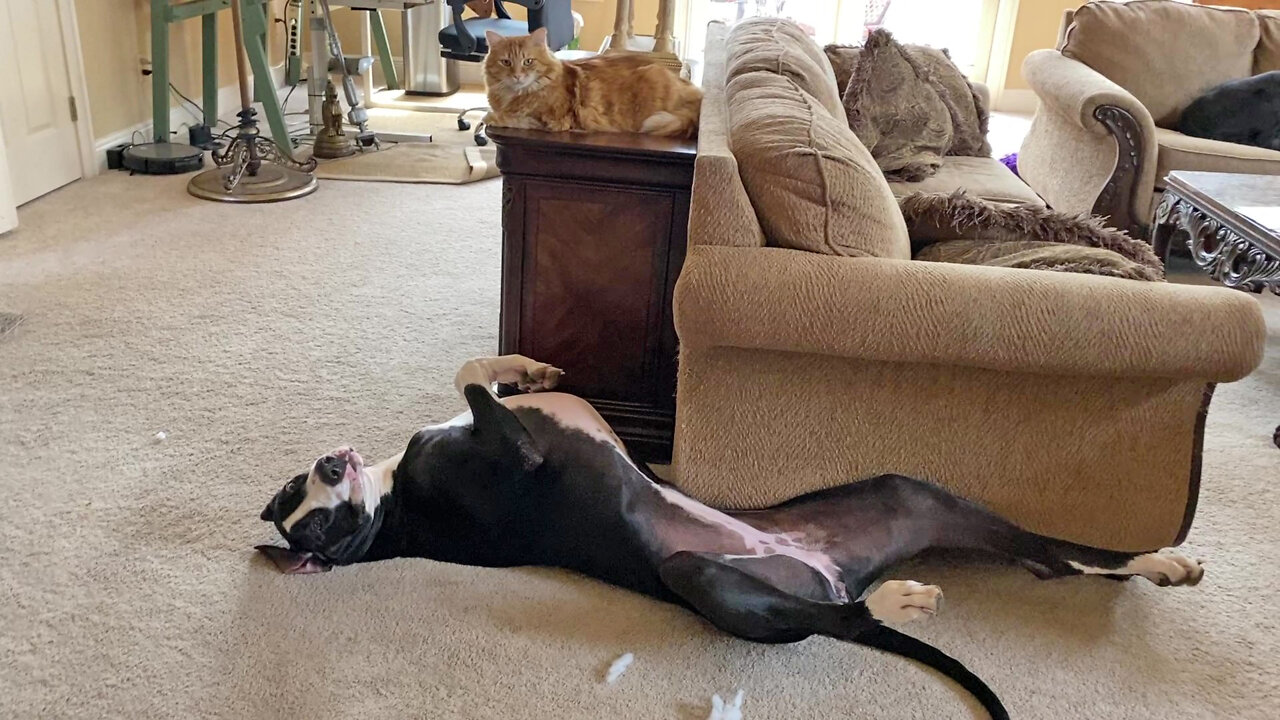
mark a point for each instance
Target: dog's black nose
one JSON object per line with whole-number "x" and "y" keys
{"x": 331, "y": 469}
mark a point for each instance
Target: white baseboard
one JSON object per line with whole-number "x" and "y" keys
{"x": 1021, "y": 100}
{"x": 179, "y": 115}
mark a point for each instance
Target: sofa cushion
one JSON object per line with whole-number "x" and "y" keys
{"x": 1037, "y": 255}
{"x": 986, "y": 178}
{"x": 1176, "y": 151}
{"x": 813, "y": 185}
{"x": 967, "y": 101}
{"x": 781, "y": 47}
{"x": 896, "y": 110}
{"x": 1165, "y": 53}
{"x": 1267, "y": 57}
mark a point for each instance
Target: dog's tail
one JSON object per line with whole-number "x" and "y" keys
{"x": 890, "y": 640}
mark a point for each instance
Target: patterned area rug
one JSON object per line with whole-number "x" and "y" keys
{"x": 451, "y": 158}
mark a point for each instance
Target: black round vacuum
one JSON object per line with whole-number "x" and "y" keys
{"x": 162, "y": 158}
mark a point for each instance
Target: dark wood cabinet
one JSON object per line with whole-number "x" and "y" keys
{"x": 594, "y": 232}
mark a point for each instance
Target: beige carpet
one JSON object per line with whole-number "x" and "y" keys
{"x": 130, "y": 589}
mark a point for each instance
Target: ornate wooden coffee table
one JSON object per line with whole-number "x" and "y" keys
{"x": 1231, "y": 224}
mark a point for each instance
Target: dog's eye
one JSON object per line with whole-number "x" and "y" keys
{"x": 528, "y": 62}
{"x": 317, "y": 525}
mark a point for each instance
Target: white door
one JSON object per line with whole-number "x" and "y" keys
{"x": 8, "y": 208}
{"x": 35, "y": 99}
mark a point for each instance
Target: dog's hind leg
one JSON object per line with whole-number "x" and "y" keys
{"x": 958, "y": 523}
{"x": 734, "y": 594}
{"x": 875, "y": 523}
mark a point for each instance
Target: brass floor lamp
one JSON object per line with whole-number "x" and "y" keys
{"x": 252, "y": 169}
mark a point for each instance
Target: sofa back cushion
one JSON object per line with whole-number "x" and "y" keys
{"x": 781, "y": 47}
{"x": 1267, "y": 57}
{"x": 1166, "y": 53}
{"x": 813, "y": 185}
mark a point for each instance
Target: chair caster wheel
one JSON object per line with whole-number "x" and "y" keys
{"x": 481, "y": 140}
{"x": 464, "y": 124}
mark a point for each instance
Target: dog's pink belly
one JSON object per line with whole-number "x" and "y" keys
{"x": 698, "y": 528}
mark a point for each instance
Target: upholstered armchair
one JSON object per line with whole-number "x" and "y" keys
{"x": 1103, "y": 138}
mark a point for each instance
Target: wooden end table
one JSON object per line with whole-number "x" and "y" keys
{"x": 1230, "y": 222}
{"x": 594, "y": 228}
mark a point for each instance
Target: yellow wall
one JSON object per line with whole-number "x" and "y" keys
{"x": 116, "y": 34}
{"x": 1035, "y": 27}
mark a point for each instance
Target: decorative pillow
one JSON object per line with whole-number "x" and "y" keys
{"x": 843, "y": 59}
{"x": 969, "y": 113}
{"x": 942, "y": 218}
{"x": 813, "y": 185}
{"x": 896, "y": 112}
{"x": 1037, "y": 255}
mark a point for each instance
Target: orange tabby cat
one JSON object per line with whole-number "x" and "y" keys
{"x": 620, "y": 92}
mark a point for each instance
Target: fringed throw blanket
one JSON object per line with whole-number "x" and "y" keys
{"x": 959, "y": 228}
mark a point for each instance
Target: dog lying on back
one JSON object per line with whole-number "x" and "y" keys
{"x": 541, "y": 479}
{"x": 1245, "y": 112}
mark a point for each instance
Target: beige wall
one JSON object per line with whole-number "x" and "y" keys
{"x": 115, "y": 35}
{"x": 1035, "y": 27}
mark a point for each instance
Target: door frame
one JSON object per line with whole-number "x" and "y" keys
{"x": 79, "y": 85}
{"x": 1006, "y": 19}
{"x": 8, "y": 208}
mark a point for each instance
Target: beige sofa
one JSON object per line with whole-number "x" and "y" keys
{"x": 1073, "y": 404}
{"x": 1103, "y": 138}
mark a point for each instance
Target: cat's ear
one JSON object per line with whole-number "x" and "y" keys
{"x": 539, "y": 36}
{"x": 492, "y": 38}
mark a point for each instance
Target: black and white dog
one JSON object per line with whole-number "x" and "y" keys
{"x": 541, "y": 479}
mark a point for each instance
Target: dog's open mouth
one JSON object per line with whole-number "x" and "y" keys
{"x": 354, "y": 463}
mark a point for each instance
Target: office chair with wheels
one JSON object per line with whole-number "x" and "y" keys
{"x": 464, "y": 39}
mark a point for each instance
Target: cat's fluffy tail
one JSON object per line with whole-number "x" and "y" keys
{"x": 670, "y": 125}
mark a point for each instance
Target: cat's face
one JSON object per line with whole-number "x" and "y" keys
{"x": 517, "y": 64}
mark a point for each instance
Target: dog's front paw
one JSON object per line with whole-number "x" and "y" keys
{"x": 1166, "y": 569}
{"x": 539, "y": 377}
{"x": 899, "y": 601}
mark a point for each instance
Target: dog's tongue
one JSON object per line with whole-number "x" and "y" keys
{"x": 292, "y": 562}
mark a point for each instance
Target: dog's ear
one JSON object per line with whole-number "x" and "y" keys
{"x": 292, "y": 562}
{"x": 494, "y": 425}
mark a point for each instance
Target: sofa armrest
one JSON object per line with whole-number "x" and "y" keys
{"x": 1076, "y": 90}
{"x": 1091, "y": 148}
{"x": 995, "y": 318}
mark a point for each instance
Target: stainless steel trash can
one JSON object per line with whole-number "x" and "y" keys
{"x": 425, "y": 72}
